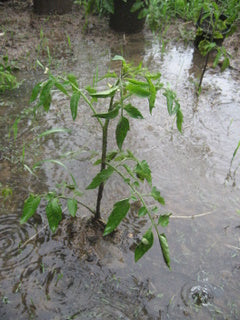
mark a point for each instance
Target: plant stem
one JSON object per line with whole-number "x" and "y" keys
{"x": 81, "y": 203}
{"x": 103, "y": 161}
{"x": 203, "y": 72}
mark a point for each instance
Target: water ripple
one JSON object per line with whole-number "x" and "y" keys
{"x": 12, "y": 235}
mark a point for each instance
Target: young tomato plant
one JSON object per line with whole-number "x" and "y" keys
{"x": 131, "y": 81}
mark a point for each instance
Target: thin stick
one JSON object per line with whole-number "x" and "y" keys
{"x": 34, "y": 236}
{"x": 232, "y": 247}
{"x": 192, "y": 216}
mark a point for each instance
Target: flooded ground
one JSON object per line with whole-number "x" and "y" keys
{"x": 54, "y": 277}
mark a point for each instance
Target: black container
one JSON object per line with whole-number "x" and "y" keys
{"x": 123, "y": 20}
{"x": 52, "y": 6}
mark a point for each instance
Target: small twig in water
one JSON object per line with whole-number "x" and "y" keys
{"x": 192, "y": 216}
{"x": 34, "y": 236}
{"x": 232, "y": 247}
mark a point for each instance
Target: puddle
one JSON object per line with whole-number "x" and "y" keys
{"x": 46, "y": 279}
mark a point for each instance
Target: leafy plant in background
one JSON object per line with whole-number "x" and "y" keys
{"x": 7, "y": 80}
{"x": 131, "y": 82}
{"x": 213, "y": 27}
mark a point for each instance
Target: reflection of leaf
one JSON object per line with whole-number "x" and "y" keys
{"x": 119, "y": 212}
{"x": 145, "y": 244}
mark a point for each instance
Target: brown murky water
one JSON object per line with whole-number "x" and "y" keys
{"x": 46, "y": 279}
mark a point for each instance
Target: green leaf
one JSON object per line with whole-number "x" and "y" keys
{"x": 73, "y": 81}
{"x": 170, "y": 96}
{"x": 109, "y": 6}
{"x": 136, "y": 6}
{"x": 138, "y": 90}
{"x": 100, "y": 178}
{"x": 165, "y": 249}
{"x": 179, "y": 120}
{"x": 36, "y": 165}
{"x": 35, "y": 92}
{"x": 163, "y": 220}
{"x": 51, "y": 131}
{"x": 105, "y": 93}
{"x": 15, "y": 128}
{"x": 226, "y": 64}
{"x": 72, "y": 207}
{"x": 142, "y": 84}
{"x": 153, "y": 94}
{"x": 206, "y": 46}
{"x": 47, "y": 102}
{"x": 143, "y": 13}
{"x": 121, "y": 131}
{"x": 109, "y": 157}
{"x": 61, "y": 88}
{"x": 90, "y": 89}
{"x": 45, "y": 95}
{"x": 217, "y": 58}
{"x": 120, "y": 210}
{"x": 133, "y": 112}
{"x": 110, "y": 115}
{"x": 142, "y": 211}
{"x": 155, "y": 193}
{"x": 143, "y": 171}
{"x": 109, "y": 75}
{"x": 145, "y": 245}
{"x": 74, "y": 104}
{"x": 235, "y": 151}
{"x": 129, "y": 170}
{"x": 54, "y": 213}
{"x": 118, "y": 58}
{"x": 30, "y": 206}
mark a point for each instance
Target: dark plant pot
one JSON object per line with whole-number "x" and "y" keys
{"x": 207, "y": 31}
{"x": 123, "y": 20}
{"x": 52, "y": 6}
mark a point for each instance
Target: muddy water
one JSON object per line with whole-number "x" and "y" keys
{"x": 44, "y": 278}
